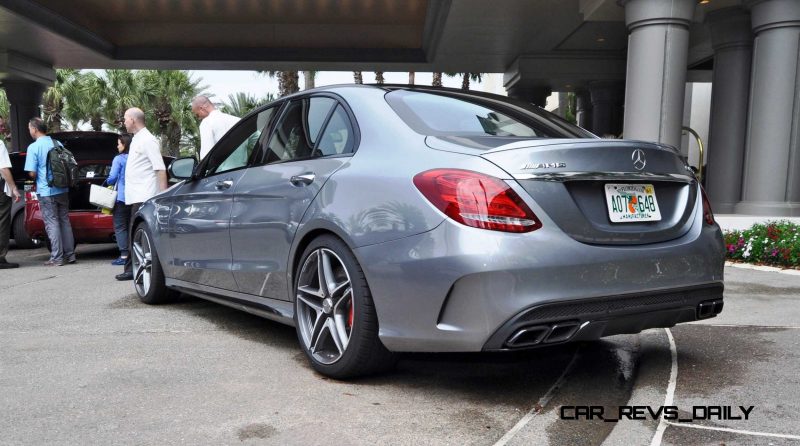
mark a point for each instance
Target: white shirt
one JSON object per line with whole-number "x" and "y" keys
{"x": 5, "y": 162}
{"x": 144, "y": 159}
{"x": 212, "y": 127}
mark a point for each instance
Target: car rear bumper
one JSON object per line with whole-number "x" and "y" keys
{"x": 589, "y": 319}
{"x": 87, "y": 226}
{"x": 463, "y": 289}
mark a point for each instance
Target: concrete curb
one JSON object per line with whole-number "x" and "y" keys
{"x": 792, "y": 272}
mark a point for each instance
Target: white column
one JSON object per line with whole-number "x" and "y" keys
{"x": 772, "y": 156}
{"x": 733, "y": 50}
{"x": 658, "y": 48}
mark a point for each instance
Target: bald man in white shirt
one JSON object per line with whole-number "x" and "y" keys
{"x": 214, "y": 123}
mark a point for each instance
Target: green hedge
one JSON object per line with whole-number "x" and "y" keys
{"x": 774, "y": 243}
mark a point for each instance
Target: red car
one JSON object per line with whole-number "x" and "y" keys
{"x": 94, "y": 152}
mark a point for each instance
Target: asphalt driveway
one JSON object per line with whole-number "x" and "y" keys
{"x": 82, "y": 361}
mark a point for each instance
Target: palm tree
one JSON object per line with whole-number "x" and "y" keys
{"x": 240, "y": 104}
{"x": 5, "y": 106}
{"x": 90, "y": 105}
{"x": 308, "y": 79}
{"x": 379, "y": 77}
{"x": 123, "y": 92}
{"x": 291, "y": 82}
{"x": 288, "y": 81}
{"x": 466, "y": 77}
{"x": 5, "y": 111}
{"x": 357, "y": 78}
{"x": 168, "y": 95}
{"x": 437, "y": 79}
{"x": 65, "y": 90}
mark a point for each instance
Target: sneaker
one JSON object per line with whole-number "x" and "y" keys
{"x": 54, "y": 263}
{"x": 124, "y": 276}
{"x": 119, "y": 261}
{"x": 8, "y": 265}
{"x": 72, "y": 260}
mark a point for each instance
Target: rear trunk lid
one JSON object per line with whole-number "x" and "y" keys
{"x": 587, "y": 185}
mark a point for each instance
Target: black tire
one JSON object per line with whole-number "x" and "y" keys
{"x": 21, "y": 237}
{"x": 157, "y": 291}
{"x": 364, "y": 353}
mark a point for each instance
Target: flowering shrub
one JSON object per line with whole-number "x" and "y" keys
{"x": 775, "y": 243}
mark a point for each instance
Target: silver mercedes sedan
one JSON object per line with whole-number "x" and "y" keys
{"x": 385, "y": 219}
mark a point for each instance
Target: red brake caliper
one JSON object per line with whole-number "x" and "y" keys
{"x": 350, "y": 314}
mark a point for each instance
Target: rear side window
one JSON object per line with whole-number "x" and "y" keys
{"x": 338, "y": 137}
{"x": 448, "y": 115}
{"x": 298, "y": 128}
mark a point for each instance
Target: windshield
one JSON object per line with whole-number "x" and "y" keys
{"x": 447, "y": 114}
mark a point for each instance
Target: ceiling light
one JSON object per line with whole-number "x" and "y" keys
{"x": 601, "y": 39}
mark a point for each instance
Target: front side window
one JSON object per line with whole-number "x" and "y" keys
{"x": 235, "y": 150}
{"x": 297, "y": 130}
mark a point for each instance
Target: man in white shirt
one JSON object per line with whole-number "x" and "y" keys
{"x": 214, "y": 123}
{"x": 9, "y": 191}
{"x": 145, "y": 173}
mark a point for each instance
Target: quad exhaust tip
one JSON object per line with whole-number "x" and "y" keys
{"x": 709, "y": 308}
{"x": 543, "y": 334}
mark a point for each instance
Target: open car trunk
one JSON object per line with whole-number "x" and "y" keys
{"x": 94, "y": 152}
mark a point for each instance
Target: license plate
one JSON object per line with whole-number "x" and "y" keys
{"x": 629, "y": 203}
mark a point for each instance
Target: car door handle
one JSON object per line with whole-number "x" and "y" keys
{"x": 223, "y": 185}
{"x": 304, "y": 179}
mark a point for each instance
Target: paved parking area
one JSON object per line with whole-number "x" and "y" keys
{"x": 83, "y": 362}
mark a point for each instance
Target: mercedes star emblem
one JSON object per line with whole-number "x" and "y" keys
{"x": 638, "y": 158}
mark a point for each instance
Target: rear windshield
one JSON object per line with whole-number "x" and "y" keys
{"x": 448, "y": 114}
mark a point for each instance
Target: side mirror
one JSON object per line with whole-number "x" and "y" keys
{"x": 182, "y": 168}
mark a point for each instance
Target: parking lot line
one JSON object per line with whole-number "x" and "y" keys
{"x": 671, "y": 386}
{"x": 673, "y": 380}
{"x": 783, "y": 327}
{"x": 543, "y": 401}
{"x": 735, "y": 431}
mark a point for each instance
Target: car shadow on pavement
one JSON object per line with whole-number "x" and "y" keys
{"x": 511, "y": 379}
{"x": 236, "y": 322}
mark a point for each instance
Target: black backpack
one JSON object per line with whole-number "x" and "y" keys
{"x": 62, "y": 168}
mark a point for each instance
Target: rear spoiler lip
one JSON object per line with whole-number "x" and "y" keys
{"x": 548, "y": 143}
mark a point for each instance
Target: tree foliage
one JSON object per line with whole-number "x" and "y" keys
{"x": 79, "y": 97}
{"x": 5, "y": 111}
{"x": 466, "y": 78}
{"x": 240, "y": 104}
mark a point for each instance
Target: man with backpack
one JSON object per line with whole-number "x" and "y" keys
{"x": 53, "y": 174}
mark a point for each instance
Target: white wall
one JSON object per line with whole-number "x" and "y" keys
{"x": 697, "y": 115}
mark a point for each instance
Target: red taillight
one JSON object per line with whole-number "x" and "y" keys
{"x": 708, "y": 215}
{"x": 476, "y": 200}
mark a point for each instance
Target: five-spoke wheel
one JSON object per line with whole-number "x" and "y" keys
{"x": 142, "y": 261}
{"x": 325, "y": 305}
{"x": 148, "y": 278}
{"x": 335, "y": 317}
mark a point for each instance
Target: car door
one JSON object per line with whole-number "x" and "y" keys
{"x": 313, "y": 137}
{"x": 201, "y": 208}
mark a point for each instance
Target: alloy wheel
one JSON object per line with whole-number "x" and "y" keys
{"x": 325, "y": 305}
{"x": 142, "y": 262}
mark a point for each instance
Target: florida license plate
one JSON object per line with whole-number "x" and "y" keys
{"x": 628, "y": 203}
